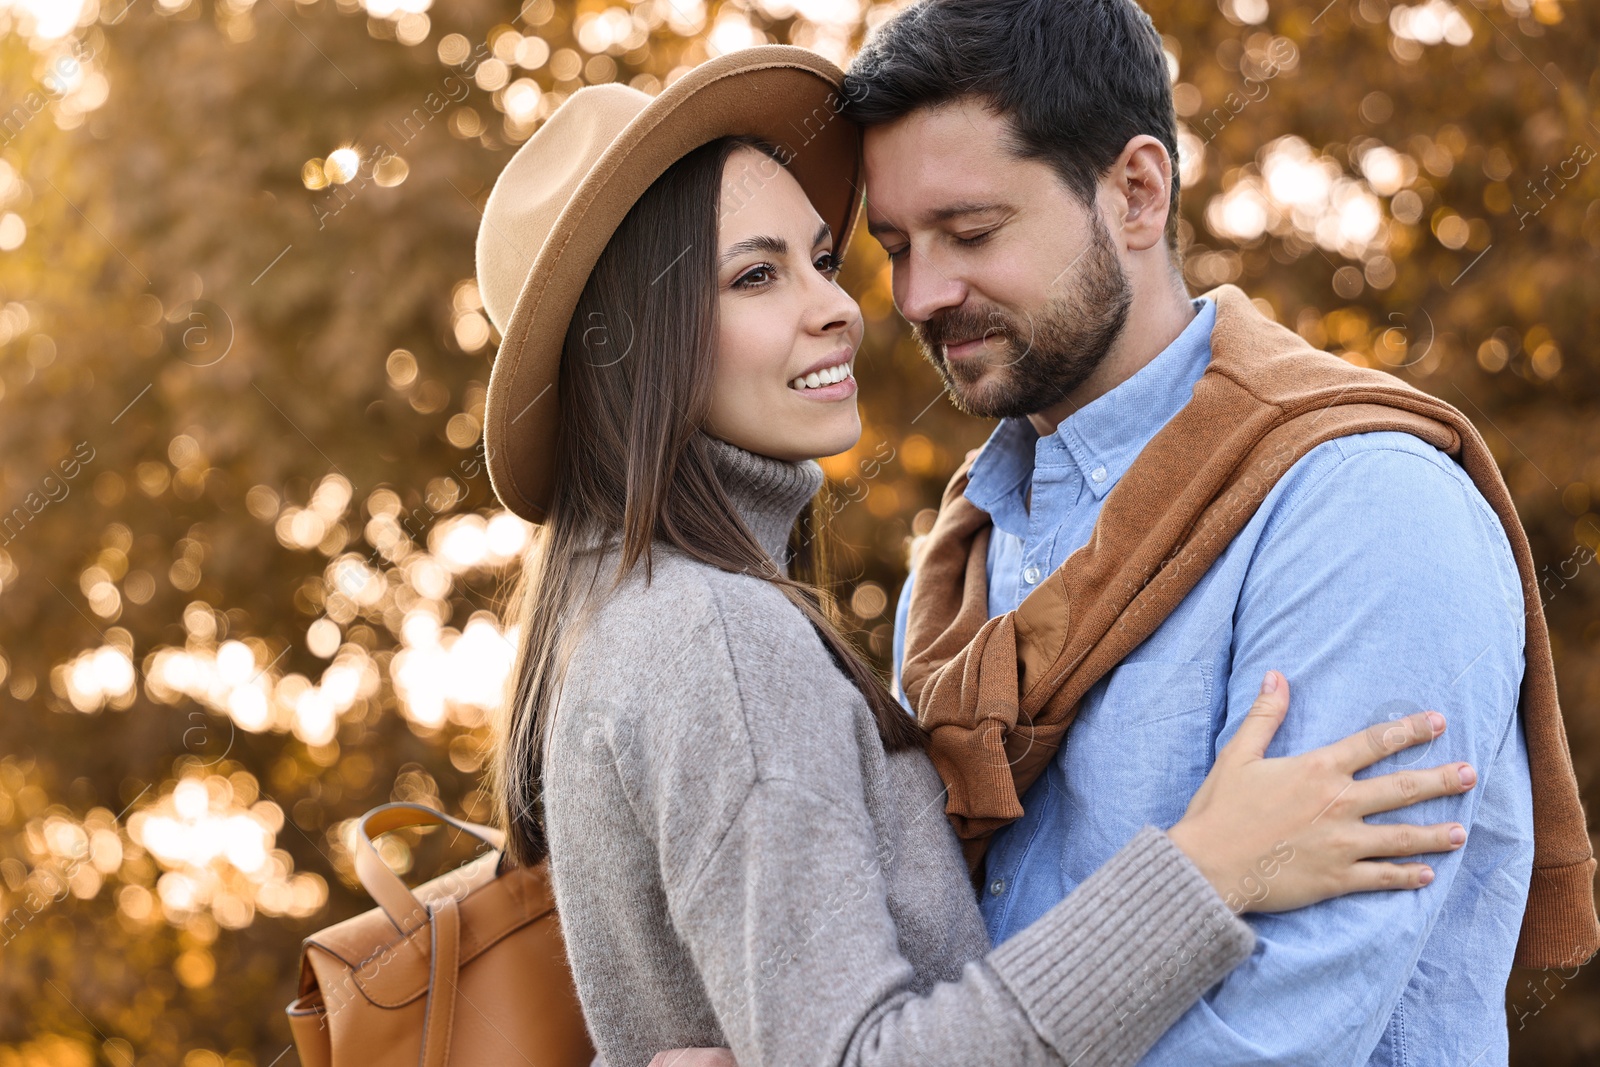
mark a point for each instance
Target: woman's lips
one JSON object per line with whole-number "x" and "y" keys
{"x": 843, "y": 382}
{"x": 836, "y": 391}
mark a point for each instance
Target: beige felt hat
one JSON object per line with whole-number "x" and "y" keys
{"x": 563, "y": 194}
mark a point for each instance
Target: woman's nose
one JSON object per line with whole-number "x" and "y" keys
{"x": 835, "y": 310}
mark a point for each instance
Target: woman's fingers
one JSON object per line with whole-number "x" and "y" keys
{"x": 1250, "y": 806}
{"x": 1261, "y": 722}
{"x": 1366, "y": 747}
{"x": 1377, "y": 840}
{"x": 694, "y": 1057}
{"x": 1377, "y": 874}
{"x": 1390, "y": 791}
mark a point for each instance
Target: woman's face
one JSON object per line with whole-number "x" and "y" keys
{"x": 787, "y": 334}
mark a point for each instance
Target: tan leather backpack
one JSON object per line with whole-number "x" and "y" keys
{"x": 467, "y": 969}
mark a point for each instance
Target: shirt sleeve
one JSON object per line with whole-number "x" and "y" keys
{"x": 897, "y": 654}
{"x": 791, "y": 930}
{"x": 1382, "y": 585}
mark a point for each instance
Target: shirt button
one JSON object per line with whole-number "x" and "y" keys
{"x": 997, "y": 886}
{"x": 1098, "y": 474}
{"x": 1031, "y": 575}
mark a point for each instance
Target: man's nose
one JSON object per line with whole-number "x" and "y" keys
{"x": 921, "y": 289}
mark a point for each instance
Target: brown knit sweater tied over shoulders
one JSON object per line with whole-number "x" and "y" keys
{"x": 997, "y": 695}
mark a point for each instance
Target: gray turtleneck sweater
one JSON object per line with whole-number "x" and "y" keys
{"x": 738, "y": 862}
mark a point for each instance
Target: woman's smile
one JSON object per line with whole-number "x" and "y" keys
{"x": 831, "y": 379}
{"x": 782, "y": 320}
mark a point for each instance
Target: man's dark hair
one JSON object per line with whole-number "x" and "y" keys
{"x": 1078, "y": 79}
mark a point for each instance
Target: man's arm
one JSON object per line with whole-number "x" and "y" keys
{"x": 1381, "y": 585}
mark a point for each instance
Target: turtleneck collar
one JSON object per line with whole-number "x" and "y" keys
{"x": 768, "y": 493}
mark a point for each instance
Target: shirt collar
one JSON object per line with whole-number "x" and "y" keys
{"x": 1103, "y": 437}
{"x": 999, "y": 478}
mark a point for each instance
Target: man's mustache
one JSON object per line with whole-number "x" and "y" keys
{"x": 960, "y": 325}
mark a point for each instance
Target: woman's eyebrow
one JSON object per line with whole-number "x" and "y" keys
{"x": 772, "y": 246}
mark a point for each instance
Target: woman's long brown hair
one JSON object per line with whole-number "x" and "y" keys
{"x": 631, "y": 462}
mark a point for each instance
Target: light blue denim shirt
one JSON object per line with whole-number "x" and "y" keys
{"x": 1378, "y": 580}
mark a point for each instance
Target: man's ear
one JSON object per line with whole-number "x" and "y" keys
{"x": 1141, "y": 191}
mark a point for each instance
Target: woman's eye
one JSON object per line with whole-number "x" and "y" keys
{"x": 754, "y": 277}
{"x": 829, "y": 264}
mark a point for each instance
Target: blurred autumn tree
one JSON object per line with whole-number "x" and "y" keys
{"x": 249, "y": 564}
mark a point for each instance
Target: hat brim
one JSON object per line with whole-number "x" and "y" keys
{"x": 787, "y": 96}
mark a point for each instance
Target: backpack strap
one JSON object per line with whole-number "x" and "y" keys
{"x": 445, "y": 967}
{"x": 399, "y": 903}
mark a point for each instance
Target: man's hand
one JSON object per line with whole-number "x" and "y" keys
{"x": 695, "y": 1057}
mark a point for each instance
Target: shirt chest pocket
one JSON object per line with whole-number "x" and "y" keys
{"x": 1139, "y": 749}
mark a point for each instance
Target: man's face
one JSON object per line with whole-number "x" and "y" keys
{"x": 1011, "y": 283}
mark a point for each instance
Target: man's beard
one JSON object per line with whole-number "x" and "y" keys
{"x": 1040, "y": 362}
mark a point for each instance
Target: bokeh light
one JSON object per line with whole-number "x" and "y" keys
{"x": 278, "y": 595}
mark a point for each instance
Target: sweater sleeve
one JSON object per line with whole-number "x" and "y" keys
{"x": 789, "y": 924}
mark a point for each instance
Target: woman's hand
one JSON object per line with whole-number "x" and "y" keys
{"x": 695, "y": 1057}
{"x": 1278, "y": 834}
